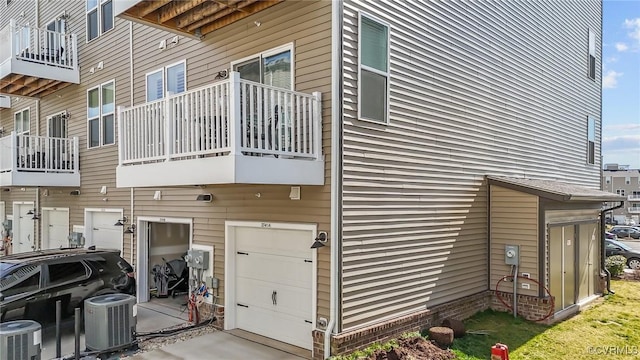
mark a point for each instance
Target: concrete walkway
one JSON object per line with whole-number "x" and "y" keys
{"x": 217, "y": 345}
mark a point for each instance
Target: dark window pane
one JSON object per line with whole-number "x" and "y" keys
{"x": 108, "y": 130}
{"x": 249, "y": 70}
{"x": 92, "y": 25}
{"x": 62, "y": 273}
{"x": 374, "y": 96}
{"x": 94, "y": 133}
{"x": 107, "y": 16}
{"x": 21, "y": 281}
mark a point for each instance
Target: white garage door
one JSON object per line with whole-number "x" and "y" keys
{"x": 273, "y": 284}
{"x": 55, "y": 228}
{"x": 102, "y": 232}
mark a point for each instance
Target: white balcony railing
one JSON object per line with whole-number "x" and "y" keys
{"x": 24, "y": 158}
{"x": 633, "y": 210}
{"x": 230, "y": 117}
{"x": 37, "y": 45}
{"x": 633, "y": 197}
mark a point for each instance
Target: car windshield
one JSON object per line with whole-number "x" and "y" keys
{"x": 4, "y": 267}
{"x": 619, "y": 244}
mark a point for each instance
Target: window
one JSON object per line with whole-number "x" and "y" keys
{"x": 99, "y": 18}
{"x": 607, "y": 179}
{"x": 55, "y": 43}
{"x": 627, "y": 180}
{"x": 101, "y": 115}
{"x": 620, "y": 192}
{"x": 23, "y": 280}
{"x": 22, "y": 122}
{"x": 591, "y": 140}
{"x": 373, "y": 79}
{"x": 66, "y": 272}
{"x": 175, "y": 82}
{"x": 271, "y": 67}
{"x": 592, "y": 55}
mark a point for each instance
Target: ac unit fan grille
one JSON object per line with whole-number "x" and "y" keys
{"x": 18, "y": 346}
{"x": 118, "y": 318}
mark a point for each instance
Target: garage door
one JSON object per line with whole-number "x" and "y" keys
{"x": 273, "y": 284}
{"x": 102, "y": 232}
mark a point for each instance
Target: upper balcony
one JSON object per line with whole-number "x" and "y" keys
{"x": 232, "y": 131}
{"x": 194, "y": 18}
{"x": 27, "y": 160}
{"x": 36, "y": 62}
{"x": 633, "y": 210}
{"x": 633, "y": 197}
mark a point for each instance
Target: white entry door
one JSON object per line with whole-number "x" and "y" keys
{"x": 23, "y": 236}
{"x": 55, "y": 228}
{"x": 101, "y": 231}
{"x": 273, "y": 283}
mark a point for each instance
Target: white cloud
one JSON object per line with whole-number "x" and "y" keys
{"x": 623, "y": 127}
{"x": 621, "y": 143}
{"x": 622, "y": 47}
{"x": 611, "y": 59}
{"x": 634, "y": 25}
{"x": 610, "y": 80}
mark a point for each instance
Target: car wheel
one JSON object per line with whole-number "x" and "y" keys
{"x": 634, "y": 263}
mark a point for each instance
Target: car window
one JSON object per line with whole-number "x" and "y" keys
{"x": 66, "y": 272}
{"x": 23, "y": 280}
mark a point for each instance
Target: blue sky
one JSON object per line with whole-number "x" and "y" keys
{"x": 621, "y": 83}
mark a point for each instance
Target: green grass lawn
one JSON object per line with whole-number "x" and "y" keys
{"x": 608, "y": 330}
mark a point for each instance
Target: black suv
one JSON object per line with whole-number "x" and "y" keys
{"x": 32, "y": 282}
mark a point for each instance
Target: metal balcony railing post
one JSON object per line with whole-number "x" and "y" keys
{"x": 317, "y": 124}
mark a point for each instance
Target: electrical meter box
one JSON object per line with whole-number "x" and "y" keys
{"x": 76, "y": 240}
{"x": 197, "y": 259}
{"x": 511, "y": 254}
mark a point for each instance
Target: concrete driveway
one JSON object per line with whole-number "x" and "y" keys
{"x": 151, "y": 317}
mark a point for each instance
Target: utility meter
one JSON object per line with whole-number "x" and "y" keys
{"x": 197, "y": 259}
{"x": 511, "y": 254}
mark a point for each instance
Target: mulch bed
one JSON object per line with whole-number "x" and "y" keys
{"x": 415, "y": 348}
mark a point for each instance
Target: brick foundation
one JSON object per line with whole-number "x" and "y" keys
{"x": 361, "y": 338}
{"x": 208, "y": 310}
{"x": 529, "y": 307}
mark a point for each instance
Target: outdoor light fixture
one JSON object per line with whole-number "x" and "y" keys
{"x": 30, "y": 212}
{"x": 75, "y": 192}
{"x": 35, "y": 217}
{"x": 121, "y": 222}
{"x": 205, "y": 197}
{"x": 130, "y": 229}
{"x": 33, "y": 212}
{"x": 321, "y": 239}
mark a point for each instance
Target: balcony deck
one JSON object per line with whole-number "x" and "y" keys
{"x": 37, "y": 61}
{"x": 633, "y": 197}
{"x": 194, "y": 18}
{"x": 633, "y": 210}
{"x": 27, "y": 160}
{"x": 232, "y": 131}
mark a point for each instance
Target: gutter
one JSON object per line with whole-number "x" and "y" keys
{"x": 336, "y": 171}
{"x": 603, "y": 254}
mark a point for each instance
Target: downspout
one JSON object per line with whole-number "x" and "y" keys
{"x": 603, "y": 255}
{"x": 38, "y": 225}
{"x": 336, "y": 171}
{"x": 131, "y": 239}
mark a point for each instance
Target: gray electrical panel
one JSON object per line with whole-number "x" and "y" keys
{"x": 511, "y": 254}
{"x": 197, "y": 259}
{"x": 76, "y": 240}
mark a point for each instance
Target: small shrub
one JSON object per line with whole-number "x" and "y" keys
{"x": 615, "y": 264}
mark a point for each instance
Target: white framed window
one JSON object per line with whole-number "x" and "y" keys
{"x": 101, "y": 115}
{"x": 171, "y": 79}
{"x": 99, "y": 18}
{"x": 592, "y": 55}
{"x": 620, "y": 192}
{"x": 272, "y": 67}
{"x": 22, "y": 121}
{"x": 373, "y": 69}
{"x": 591, "y": 140}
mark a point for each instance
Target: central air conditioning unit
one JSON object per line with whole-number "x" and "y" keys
{"x": 109, "y": 322}
{"x": 20, "y": 340}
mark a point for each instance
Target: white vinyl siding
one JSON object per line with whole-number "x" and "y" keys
{"x": 470, "y": 96}
{"x": 22, "y": 121}
{"x": 168, "y": 80}
{"x": 373, "y": 84}
{"x": 101, "y": 115}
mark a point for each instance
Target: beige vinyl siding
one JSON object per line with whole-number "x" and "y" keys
{"x": 15, "y": 10}
{"x": 514, "y": 221}
{"x": 475, "y": 89}
{"x": 308, "y": 26}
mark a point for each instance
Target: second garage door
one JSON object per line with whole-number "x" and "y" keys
{"x": 274, "y": 284}
{"x": 102, "y": 232}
